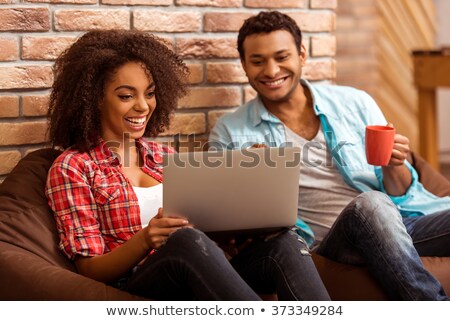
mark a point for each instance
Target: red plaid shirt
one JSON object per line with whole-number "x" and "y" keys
{"x": 94, "y": 204}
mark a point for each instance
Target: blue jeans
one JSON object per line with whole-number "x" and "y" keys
{"x": 430, "y": 233}
{"x": 370, "y": 231}
{"x": 191, "y": 266}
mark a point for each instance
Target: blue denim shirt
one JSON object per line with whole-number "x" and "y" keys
{"x": 344, "y": 113}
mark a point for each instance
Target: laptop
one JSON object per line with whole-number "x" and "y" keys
{"x": 234, "y": 190}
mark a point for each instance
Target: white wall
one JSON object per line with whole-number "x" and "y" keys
{"x": 443, "y": 97}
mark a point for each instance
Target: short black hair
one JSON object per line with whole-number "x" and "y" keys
{"x": 266, "y": 22}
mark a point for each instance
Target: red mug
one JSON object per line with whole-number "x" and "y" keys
{"x": 379, "y": 144}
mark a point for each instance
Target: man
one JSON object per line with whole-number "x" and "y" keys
{"x": 350, "y": 208}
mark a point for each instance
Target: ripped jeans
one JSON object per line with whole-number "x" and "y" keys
{"x": 371, "y": 231}
{"x": 190, "y": 266}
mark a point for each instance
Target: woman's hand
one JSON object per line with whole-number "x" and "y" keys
{"x": 159, "y": 229}
{"x": 110, "y": 266}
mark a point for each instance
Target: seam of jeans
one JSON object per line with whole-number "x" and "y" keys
{"x": 282, "y": 273}
{"x": 284, "y": 277}
{"x": 431, "y": 237}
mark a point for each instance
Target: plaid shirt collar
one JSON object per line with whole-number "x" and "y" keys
{"x": 150, "y": 152}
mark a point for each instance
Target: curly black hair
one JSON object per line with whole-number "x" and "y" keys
{"x": 82, "y": 71}
{"x": 266, "y": 22}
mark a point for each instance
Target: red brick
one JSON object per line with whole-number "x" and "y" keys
{"x": 35, "y": 105}
{"x": 323, "y": 46}
{"x": 207, "y": 48}
{"x": 64, "y": 1}
{"x": 212, "y": 97}
{"x": 224, "y": 21}
{"x": 83, "y": 20}
{"x": 10, "y": 49}
{"x": 276, "y": 4}
{"x": 25, "y": 77}
{"x": 9, "y": 106}
{"x": 44, "y": 48}
{"x": 352, "y": 24}
{"x": 161, "y": 21}
{"x": 185, "y": 124}
{"x": 357, "y": 39}
{"x": 138, "y": 2}
{"x": 196, "y": 73}
{"x": 23, "y": 133}
{"x": 225, "y": 72}
{"x": 349, "y": 5}
{"x": 324, "y": 4}
{"x": 24, "y": 19}
{"x": 320, "y": 21}
{"x": 249, "y": 93}
{"x": 320, "y": 69}
{"x": 8, "y": 160}
{"x": 168, "y": 42}
{"x": 210, "y": 3}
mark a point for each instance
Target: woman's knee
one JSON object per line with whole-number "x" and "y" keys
{"x": 186, "y": 236}
{"x": 288, "y": 242}
{"x": 192, "y": 241}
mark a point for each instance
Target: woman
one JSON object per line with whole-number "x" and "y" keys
{"x": 111, "y": 88}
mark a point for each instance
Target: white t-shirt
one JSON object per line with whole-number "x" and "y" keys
{"x": 323, "y": 193}
{"x": 150, "y": 200}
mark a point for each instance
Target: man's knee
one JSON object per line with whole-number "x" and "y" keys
{"x": 373, "y": 206}
{"x": 372, "y": 199}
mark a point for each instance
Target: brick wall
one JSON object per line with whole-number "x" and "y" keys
{"x": 34, "y": 32}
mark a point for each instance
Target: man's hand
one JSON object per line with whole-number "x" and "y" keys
{"x": 396, "y": 176}
{"x": 259, "y": 146}
{"x": 400, "y": 150}
{"x": 232, "y": 247}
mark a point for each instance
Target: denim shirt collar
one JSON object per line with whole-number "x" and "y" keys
{"x": 260, "y": 112}
{"x": 321, "y": 107}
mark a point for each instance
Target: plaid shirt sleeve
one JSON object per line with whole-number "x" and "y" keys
{"x": 70, "y": 197}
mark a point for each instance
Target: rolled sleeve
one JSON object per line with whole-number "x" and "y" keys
{"x": 412, "y": 189}
{"x": 70, "y": 197}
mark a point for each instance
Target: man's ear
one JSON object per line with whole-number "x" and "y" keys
{"x": 243, "y": 65}
{"x": 303, "y": 55}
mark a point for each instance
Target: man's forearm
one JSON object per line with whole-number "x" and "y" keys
{"x": 396, "y": 179}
